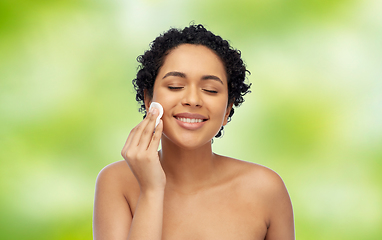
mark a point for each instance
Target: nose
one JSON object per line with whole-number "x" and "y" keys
{"x": 192, "y": 97}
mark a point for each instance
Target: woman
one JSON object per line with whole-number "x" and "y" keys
{"x": 185, "y": 191}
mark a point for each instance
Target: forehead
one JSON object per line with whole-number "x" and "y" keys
{"x": 193, "y": 59}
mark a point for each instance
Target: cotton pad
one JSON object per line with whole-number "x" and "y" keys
{"x": 160, "y": 109}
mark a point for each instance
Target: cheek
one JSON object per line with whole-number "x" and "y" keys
{"x": 159, "y": 95}
{"x": 165, "y": 99}
{"x": 221, "y": 109}
{"x": 168, "y": 101}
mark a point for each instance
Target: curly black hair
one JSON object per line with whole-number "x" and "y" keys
{"x": 153, "y": 59}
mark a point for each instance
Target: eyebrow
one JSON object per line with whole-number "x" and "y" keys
{"x": 212, "y": 77}
{"x": 175, "y": 74}
{"x": 183, "y": 75}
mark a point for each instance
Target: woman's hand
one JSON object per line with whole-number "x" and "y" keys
{"x": 141, "y": 154}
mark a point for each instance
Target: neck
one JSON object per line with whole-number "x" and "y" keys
{"x": 189, "y": 169}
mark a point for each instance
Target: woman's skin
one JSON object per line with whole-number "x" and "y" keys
{"x": 185, "y": 191}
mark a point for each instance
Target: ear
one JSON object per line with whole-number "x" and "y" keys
{"x": 147, "y": 99}
{"x": 228, "y": 111}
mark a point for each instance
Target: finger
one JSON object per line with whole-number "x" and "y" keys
{"x": 147, "y": 133}
{"x": 133, "y": 134}
{"x": 154, "y": 144}
{"x": 130, "y": 137}
{"x": 139, "y": 129}
{"x": 128, "y": 140}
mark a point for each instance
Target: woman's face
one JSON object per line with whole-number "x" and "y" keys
{"x": 192, "y": 88}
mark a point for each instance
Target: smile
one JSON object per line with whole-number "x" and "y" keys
{"x": 190, "y": 120}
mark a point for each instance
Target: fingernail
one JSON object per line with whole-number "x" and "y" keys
{"x": 153, "y": 111}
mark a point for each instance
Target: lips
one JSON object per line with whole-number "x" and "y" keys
{"x": 191, "y": 116}
{"x": 190, "y": 121}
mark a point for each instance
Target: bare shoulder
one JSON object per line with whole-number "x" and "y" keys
{"x": 112, "y": 210}
{"x": 113, "y": 171}
{"x": 116, "y": 176}
{"x": 259, "y": 183}
{"x": 265, "y": 188}
{"x": 255, "y": 175}
{"x": 114, "y": 168}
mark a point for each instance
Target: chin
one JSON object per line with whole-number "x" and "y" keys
{"x": 188, "y": 142}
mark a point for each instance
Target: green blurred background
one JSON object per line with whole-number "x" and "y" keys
{"x": 314, "y": 115}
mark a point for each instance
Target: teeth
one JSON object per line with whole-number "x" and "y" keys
{"x": 190, "y": 120}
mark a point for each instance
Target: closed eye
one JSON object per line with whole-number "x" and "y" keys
{"x": 174, "y": 88}
{"x": 210, "y": 91}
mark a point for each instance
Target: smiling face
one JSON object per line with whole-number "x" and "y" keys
{"x": 192, "y": 88}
